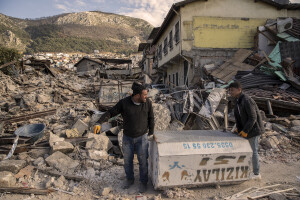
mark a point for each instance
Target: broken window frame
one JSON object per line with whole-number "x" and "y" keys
{"x": 177, "y": 79}
{"x": 166, "y": 46}
{"x": 173, "y": 79}
{"x": 171, "y": 40}
{"x": 177, "y": 35}
{"x": 160, "y": 52}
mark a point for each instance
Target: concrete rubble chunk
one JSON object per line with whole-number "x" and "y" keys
{"x": 39, "y": 161}
{"x": 63, "y": 146}
{"x": 100, "y": 142}
{"x": 295, "y": 123}
{"x": 162, "y": 117}
{"x": 58, "y": 144}
{"x": 80, "y": 126}
{"x": 62, "y": 162}
{"x": 97, "y": 155}
{"x": 296, "y": 129}
{"x": 36, "y": 153}
{"x": 279, "y": 128}
{"x": 60, "y": 182}
{"x": 54, "y": 138}
{"x": 90, "y": 172}
{"x": 42, "y": 98}
{"x": 7, "y": 179}
{"x": 105, "y": 191}
{"x": 13, "y": 166}
{"x": 270, "y": 143}
{"x": 71, "y": 133}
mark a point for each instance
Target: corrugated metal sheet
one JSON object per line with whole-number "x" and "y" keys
{"x": 252, "y": 80}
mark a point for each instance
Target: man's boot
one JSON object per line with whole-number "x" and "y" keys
{"x": 128, "y": 183}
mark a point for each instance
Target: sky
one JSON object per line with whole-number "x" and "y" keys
{"x": 152, "y": 11}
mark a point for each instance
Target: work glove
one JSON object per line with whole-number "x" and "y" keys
{"x": 150, "y": 137}
{"x": 97, "y": 129}
{"x": 243, "y": 134}
{"x": 236, "y": 131}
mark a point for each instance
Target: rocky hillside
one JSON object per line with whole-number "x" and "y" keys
{"x": 74, "y": 32}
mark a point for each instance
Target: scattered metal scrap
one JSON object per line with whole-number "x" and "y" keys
{"x": 29, "y": 116}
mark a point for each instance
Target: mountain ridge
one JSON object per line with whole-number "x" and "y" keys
{"x": 74, "y": 32}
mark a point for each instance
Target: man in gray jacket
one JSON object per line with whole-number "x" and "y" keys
{"x": 248, "y": 121}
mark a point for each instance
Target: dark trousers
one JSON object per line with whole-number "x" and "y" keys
{"x": 140, "y": 145}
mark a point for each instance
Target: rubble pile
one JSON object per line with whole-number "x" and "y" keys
{"x": 162, "y": 117}
{"x": 66, "y": 151}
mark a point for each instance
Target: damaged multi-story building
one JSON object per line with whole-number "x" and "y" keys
{"x": 199, "y": 32}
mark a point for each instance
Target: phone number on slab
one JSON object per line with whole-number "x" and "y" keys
{"x": 208, "y": 145}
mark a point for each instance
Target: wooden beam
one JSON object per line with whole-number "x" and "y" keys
{"x": 22, "y": 190}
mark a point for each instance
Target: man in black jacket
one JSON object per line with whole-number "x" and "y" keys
{"x": 248, "y": 121}
{"x": 138, "y": 120}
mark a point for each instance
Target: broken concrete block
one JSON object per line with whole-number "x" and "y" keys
{"x": 35, "y": 153}
{"x": 71, "y": 133}
{"x": 105, "y": 191}
{"x": 62, "y": 146}
{"x": 50, "y": 182}
{"x": 268, "y": 126}
{"x": 54, "y": 138}
{"x": 295, "y": 123}
{"x": 296, "y": 129}
{"x": 42, "y": 98}
{"x": 90, "y": 172}
{"x": 13, "y": 166}
{"x": 10, "y": 87}
{"x": 97, "y": 155}
{"x": 39, "y": 162}
{"x": 7, "y": 179}
{"x": 80, "y": 126}
{"x": 58, "y": 144}
{"x": 60, "y": 182}
{"x": 279, "y": 128}
{"x": 62, "y": 162}
{"x": 162, "y": 117}
{"x": 270, "y": 143}
{"x": 100, "y": 142}
{"x": 72, "y": 113}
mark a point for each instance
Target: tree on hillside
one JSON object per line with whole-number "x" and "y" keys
{"x": 8, "y": 55}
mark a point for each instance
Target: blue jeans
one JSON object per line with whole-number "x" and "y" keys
{"x": 255, "y": 158}
{"x": 140, "y": 145}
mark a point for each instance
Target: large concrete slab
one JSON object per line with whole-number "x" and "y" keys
{"x": 198, "y": 157}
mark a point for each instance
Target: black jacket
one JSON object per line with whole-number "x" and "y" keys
{"x": 137, "y": 119}
{"x": 247, "y": 116}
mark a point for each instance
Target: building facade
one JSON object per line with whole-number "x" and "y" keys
{"x": 199, "y": 32}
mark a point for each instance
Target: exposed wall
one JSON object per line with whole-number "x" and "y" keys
{"x": 216, "y": 32}
{"x": 226, "y": 9}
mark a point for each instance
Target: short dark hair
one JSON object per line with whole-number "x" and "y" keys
{"x": 235, "y": 84}
{"x": 137, "y": 88}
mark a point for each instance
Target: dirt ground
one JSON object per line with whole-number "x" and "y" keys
{"x": 273, "y": 172}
